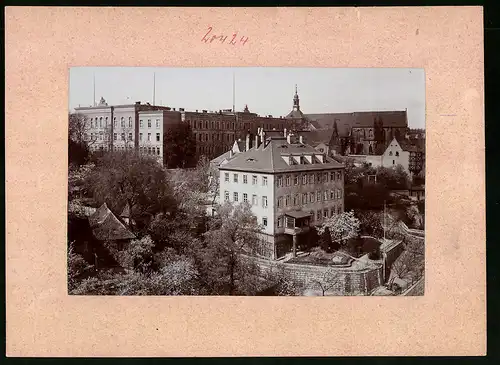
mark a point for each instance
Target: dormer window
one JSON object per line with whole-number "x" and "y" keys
{"x": 390, "y": 153}
{"x": 397, "y": 154}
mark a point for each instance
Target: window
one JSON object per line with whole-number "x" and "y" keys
{"x": 332, "y": 176}
{"x": 235, "y": 178}
{"x": 149, "y": 136}
{"x": 141, "y": 124}
{"x": 280, "y": 181}
{"x": 130, "y": 122}
{"x": 311, "y": 197}
{"x": 304, "y": 179}
{"x": 115, "y": 122}
{"x": 280, "y": 202}
{"x": 157, "y": 123}
{"x": 332, "y": 194}
{"x": 296, "y": 179}
{"x": 158, "y": 151}
{"x": 245, "y": 197}
{"x": 140, "y": 136}
{"x": 304, "y": 198}
{"x": 114, "y": 136}
{"x": 100, "y": 122}
{"x": 264, "y": 201}
{"x": 264, "y": 222}
{"x": 311, "y": 179}
{"x": 149, "y": 123}
{"x": 280, "y": 222}
{"x": 264, "y": 180}
{"x": 339, "y": 175}
{"x": 254, "y": 179}
{"x": 226, "y": 196}
{"x": 318, "y": 215}
{"x": 130, "y": 136}
{"x": 340, "y": 194}
{"x": 254, "y": 200}
{"x": 397, "y": 153}
{"x": 106, "y": 122}
{"x": 226, "y": 176}
{"x": 339, "y": 209}
{"x": 332, "y": 211}
{"x": 287, "y": 180}
{"x": 318, "y": 178}
{"x": 287, "y": 200}
{"x": 325, "y": 195}
{"x": 318, "y": 196}
{"x": 245, "y": 179}
{"x": 122, "y": 122}
{"x": 393, "y": 162}
{"x": 325, "y": 177}
{"x": 123, "y": 136}
{"x": 390, "y": 153}
{"x": 91, "y": 122}
{"x": 295, "y": 200}
{"x": 157, "y": 137}
{"x": 100, "y": 136}
{"x": 235, "y": 196}
{"x": 325, "y": 213}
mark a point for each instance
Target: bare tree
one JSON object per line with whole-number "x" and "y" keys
{"x": 328, "y": 281}
{"x": 409, "y": 261}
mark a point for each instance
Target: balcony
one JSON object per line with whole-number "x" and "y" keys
{"x": 297, "y": 222}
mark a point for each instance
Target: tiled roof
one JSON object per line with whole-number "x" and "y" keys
{"x": 268, "y": 158}
{"x": 346, "y": 121}
{"x": 105, "y": 225}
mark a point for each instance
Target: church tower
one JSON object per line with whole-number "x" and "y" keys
{"x": 296, "y": 104}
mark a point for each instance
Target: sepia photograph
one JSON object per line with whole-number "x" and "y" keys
{"x": 246, "y": 181}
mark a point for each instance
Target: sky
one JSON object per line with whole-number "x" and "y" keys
{"x": 266, "y": 90}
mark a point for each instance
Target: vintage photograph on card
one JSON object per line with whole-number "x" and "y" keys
{"x": 246, "y": 181}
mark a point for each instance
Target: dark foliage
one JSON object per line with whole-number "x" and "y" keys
{"x": 179, "y": 146}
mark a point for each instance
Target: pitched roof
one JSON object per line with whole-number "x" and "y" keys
{"x": 346, "y": 121}
{"x": 105, "y": 225}
{"x": 296, "y": 114}
{"x": 268, "y": 158}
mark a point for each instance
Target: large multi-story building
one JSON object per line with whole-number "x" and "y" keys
{"x": 122, "y": 127}
{"x": 289, "y": 185}
{"x": 215, "y": 132}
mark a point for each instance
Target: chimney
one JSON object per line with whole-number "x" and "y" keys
{"x": 257, "y": 141}
{"x": 300, "y": 140}
{"x": 247, "y": 142}
{"x": 231, "y": 153}
{"x": 262, "y": 135}
{"x": 288, "y": 139}
{"x": 137, "y": 103}
{"x": 284, "y": 133}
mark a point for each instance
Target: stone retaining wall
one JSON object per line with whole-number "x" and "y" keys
{"x": 345, "y": 281}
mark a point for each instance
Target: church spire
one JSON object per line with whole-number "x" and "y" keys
{"x": 296, "y": 105}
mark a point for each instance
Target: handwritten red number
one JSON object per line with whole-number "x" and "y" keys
{"x": 244, "y": 40}
{"x": 205, "y": 39}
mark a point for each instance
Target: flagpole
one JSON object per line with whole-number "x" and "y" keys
{"x": 94, "y": 90}
{"x": 234, "y": 97}
{"x": 154, "y": 87}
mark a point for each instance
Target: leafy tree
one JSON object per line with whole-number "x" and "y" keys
{"x": 77, "y": 268}
{"x": 138, "y": 255}
{"x": 122, "y": 178}
{"x": 232, "y": 232}
{"x": 393, "y": 178}
{"x": 342, "y": 227}
{"x": 179, "y": 146}
{"x": 371, "y": 222}
{"x": 325, "y": 240}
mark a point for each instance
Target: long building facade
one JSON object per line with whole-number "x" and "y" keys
{"x": 289, "y": 185}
